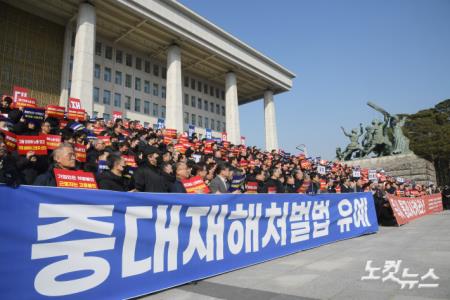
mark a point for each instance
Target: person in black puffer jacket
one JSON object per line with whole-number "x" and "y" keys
{"x": 112, "y": 179}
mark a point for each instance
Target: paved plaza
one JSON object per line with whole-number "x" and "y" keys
{"x": 334, "y": 271}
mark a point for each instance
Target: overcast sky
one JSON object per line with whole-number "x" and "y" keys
{"x": 395, "y": 53}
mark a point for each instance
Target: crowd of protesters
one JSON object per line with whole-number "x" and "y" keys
{"x": 137, "y": 159}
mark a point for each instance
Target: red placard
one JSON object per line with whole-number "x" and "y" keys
{"x": 76, "y": 114}
{"x": 55, "y": 111}
{"x": 195, "y": 185}
{"x": 105, "y": 139}
{"x": 180, "y": 148}
{"x": 408, "y": 209}
{"x": 19, "y": 91}
{"x": 10, "y": 140}
{"x": 170, "y": 133}
{"x": 130, "y": 160}
{"x": 52, "y": 141}
{"x": 75, "y": 179}
{"x": 271, "y": 190}
{"x": 117, "y": 115}
{"x": 74, "y": 103}
{"x": 25, "y": 102}
{"x": 252, "y": 187}
{"x": 26, "y": 143}
{"x": 80, "y": 152}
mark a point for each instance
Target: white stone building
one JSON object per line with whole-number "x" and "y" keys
{"x": 148, "y": 59}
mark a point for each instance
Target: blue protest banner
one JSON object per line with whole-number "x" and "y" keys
{"x": 88, "y": 244}
{"x": 160, "y": 124}
{"x": 208, "y": 134}
{"x": 191, "y": 130}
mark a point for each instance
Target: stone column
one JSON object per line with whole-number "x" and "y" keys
{"x": 232, "y": 109}
{"x": 174, "y": 93}
{"x": 83, "y": 57}
{"x": 67, "y": 51}
{"x": 270, "y": 122}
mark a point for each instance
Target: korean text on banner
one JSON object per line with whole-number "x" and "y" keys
{"x": 104, "y": 244}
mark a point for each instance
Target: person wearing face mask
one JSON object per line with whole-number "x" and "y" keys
{"x": 112, "y": 179}
{"x": 147, "y": 177}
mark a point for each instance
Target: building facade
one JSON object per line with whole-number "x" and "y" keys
{"x": 148, "y": 59}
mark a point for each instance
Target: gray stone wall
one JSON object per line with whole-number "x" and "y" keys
{"x": 408, "y": 166}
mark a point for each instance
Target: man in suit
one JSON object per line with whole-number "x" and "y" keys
{"x": 220, "y": 183}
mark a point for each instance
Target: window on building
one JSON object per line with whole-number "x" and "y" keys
{"x": 107, "y": 74}
{"x": 147, "y": 107}
{"x": 129, "y": 60}
{"x": 206, "y": 122}
{"x": 199, "y": 86}
{"x": 186, "y": 118}
{"x": 119, "y": 56}
{"x": 200, "y": 121}
{"x": 138, "y": 63}
{"x": 155, "y": 109}
{"x": 106, "y": 116}
{"x": 193, "y": 101}
{"x": 218, "y": 125}
{"x": 147, "y": 66}
{"x": 164, "y": 72}
{"x": 128, "y": 79}
{"x": 186, "y": 81}
{"x": 137, "y": 84}
{"x": 156, "y": 70}
{"x": 217, "y": 93}
{"x": 211, "y": 91}
{"x": 127, "y": 102}
{"x": 155, "y": 89}
{"x": 193, "y": 83}
{"x": 193, "y": 121}
{"x": 212, "y": 124}
{"x": 163, "y": 92}
{"x": 222, "y": 95}
{"x": 186, "y": 99}
{"x": 98, "y": 48}
{"x": 97, "y": 71}
{"x": 205, "y": 88}
{"x": 199, "y": 103}
{"x": 218, "y": 109}
{"x": 211, "y": 107}
{"x": 163, "y": 111}
{"x": 96, "y": 94}
{"x": 224, "y": 128}
{"x": 71, "y": 63}
{"x": 118, "y": 79}
{"x": 106, "y": 97}
{"x": 137, "y": 104}
{"x": 223, "y": 110}
{"x": 147, "y": 86}
{"x": 108, "y": 52}
{"x": 117, "y": 100}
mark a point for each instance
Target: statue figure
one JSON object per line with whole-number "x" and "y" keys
{"x": 354, "y": 146}
{"x": 401, "y": 142}
{"x": 367, "y": 140}
{"x": 381, "y": 145}
{"x": 395, "y": 122}
{"x": 339, "y": 154}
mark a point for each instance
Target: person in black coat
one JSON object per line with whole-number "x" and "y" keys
{"x": 63, "y": 158}
{"x": 147, "y": 177}
{"x": 9, "y": 173}
{"x": 112, "y": 179}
